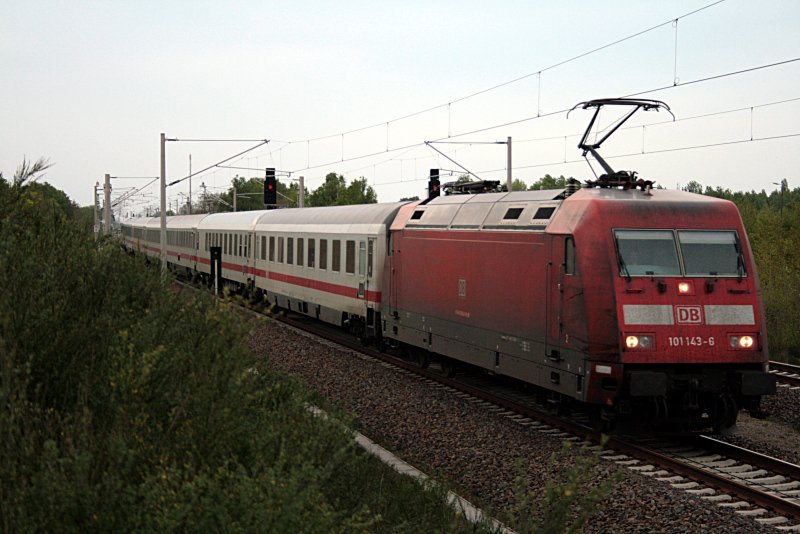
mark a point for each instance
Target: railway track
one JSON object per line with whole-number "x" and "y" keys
{"x": 787, "y": 373}
{"x": 751, "y": 484}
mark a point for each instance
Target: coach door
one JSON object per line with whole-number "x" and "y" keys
{"x": 366, "y": 262}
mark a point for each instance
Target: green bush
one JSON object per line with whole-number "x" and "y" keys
{"x": 130, "y": 406}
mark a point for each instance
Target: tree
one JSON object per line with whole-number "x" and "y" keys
{"x": 336, "y": 192}
{"x": 518, "y": 185}
{"x": 693, "y": 187}
{"x": 549, "y": 182}
{"x": 409, "y": 199}
{"x": 249, "y": 195}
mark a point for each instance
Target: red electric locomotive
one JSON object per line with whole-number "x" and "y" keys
{"x": 627, "y": 299}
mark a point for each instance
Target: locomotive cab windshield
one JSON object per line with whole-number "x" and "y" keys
{"x": 679, "y": 253}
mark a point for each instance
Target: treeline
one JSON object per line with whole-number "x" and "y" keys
{"x": 249, "y": 193}
{"x": 128, "y": 407}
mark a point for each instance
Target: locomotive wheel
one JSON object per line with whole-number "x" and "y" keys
{"x": 420, "y": 357}
{"x": 602, "y": 420}
{"x": 726, "y": 412}
{"x": 448, "y": 367}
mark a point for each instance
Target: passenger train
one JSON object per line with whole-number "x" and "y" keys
{"x": 623, "y": 300}
{"x": 616, "y": 297}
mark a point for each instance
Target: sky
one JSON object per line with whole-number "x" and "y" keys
{"x": 358, "y": 87}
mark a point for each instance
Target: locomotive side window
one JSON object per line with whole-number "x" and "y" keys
{"x": 350, "y": 257}
{"x": 544, "y": 213}
{"x": 569, "y": 256}
{"x": 311, "y": 251}
{"x": 512, "y": 214}
{"x": 323, "y": 254}
{"x": 647, "y": 253}
{"x": 337, "y": 255}
{"x": 714, "y": 253}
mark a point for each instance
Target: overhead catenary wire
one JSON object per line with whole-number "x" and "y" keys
{"x": 512, "y": 81}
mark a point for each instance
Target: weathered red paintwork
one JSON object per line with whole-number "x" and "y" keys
{"x": 516, "y": 284}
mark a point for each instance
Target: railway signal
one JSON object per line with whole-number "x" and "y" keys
{"x": 433, "y": 184}
{"x": 270, "y": 188}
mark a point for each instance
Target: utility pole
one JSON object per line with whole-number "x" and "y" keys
{"x": 190, "y": 184}
{"x": 234, "y": 198}
{"x": 205, "y": 200}
{"x": 96, "y": 221}
{"x": 508, "y": 166}
{"x": 301, "y": 193}
{"x": 107, "y": 207}
{"x": 163, "y": 233}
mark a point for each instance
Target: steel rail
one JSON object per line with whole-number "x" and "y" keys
{"x": 786, "y": 373}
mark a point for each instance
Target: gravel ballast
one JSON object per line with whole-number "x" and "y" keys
{"x": 472, "y": 447}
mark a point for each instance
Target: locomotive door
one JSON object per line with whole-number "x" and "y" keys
{"x": 554, "y": 292}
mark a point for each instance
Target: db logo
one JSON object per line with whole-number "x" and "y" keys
{"x": 689, "y": 314}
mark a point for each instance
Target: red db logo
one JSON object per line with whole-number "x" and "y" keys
{"x": 689, "y": 314}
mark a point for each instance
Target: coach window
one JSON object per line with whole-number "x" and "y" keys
{"x": 362, "y": 258}
{"x": 300, "y": 244}
{"x": 323, "y": 254}
{"x": 350, "y": 257}
{"x": 272, "y": 248}
{"x": 370, "y": 253}
{"x": 225, "y": 244}
{"x": 311, "y": 252}
{"x": 569, "y": 256}
{"x": 263, "y": 247}
{"x": 289, "y": 250}
{"x": 280, "y": 250}
{"x": 336, "y": 257}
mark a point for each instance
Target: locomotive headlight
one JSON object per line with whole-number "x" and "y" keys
{"x": 684, "y": 288}
{"x": 742, "y": 342}
{"x": 639, "y": 342}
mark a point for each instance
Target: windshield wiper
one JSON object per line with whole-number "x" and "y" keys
{"x": 623, "y": 268}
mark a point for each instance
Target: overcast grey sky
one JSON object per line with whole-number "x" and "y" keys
{"x": 91, "y": 85}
